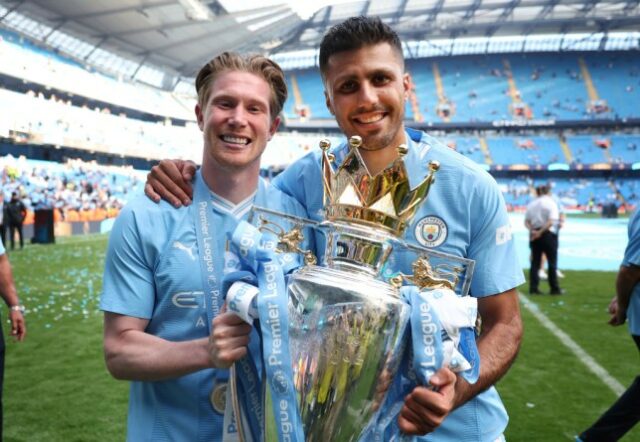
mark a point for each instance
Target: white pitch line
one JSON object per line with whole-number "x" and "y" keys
{"x": 572, "y": 345}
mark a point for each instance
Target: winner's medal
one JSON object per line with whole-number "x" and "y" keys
{"x": 218, "y": 397}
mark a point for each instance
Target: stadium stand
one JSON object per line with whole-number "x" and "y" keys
{"x": 485, "y": 88}
{"x": 63, "y": 104}
{"x": 76, "y": 190}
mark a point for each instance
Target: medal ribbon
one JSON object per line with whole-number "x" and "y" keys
{"x": 211, "y": 260}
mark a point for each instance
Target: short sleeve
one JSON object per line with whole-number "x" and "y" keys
{"x": 497, "y": 268}
{"x": 296, "y": 178}
{"x": 128, "y": 284}
{"x": 632, "y": 252}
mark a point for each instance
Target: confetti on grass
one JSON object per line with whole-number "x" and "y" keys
{"x": 61, "y": 281}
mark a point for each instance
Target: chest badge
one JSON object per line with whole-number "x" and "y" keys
{"x": 431, "y": 231}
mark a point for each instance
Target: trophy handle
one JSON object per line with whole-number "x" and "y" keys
{"x": 425, "y": 276}
{"x": 288, "y": 241}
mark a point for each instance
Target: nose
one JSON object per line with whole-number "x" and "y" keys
{"x": 238, "y": 117}
{"x": 367, "y": 95}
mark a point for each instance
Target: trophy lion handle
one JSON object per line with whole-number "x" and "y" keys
{"x": 425, "y": 276}
{"x": 288, "y": 241}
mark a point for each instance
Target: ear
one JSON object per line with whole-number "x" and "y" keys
{"x": 328, "y": 102}
{"x": 274, "y": 127}
{"x": 199, "y": 117}
{"x": 406, "y": 84}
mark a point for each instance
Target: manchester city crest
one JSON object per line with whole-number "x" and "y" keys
{"x": 431, "y": 231}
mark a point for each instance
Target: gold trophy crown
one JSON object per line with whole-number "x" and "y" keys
{"x": 385, "y": 200}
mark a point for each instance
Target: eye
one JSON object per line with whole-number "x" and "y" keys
{"x": 348, "y": 86}
{"x": 224, "y": 104}
{"x": 380, "y": 79}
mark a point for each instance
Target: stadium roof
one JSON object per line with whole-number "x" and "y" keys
{"x": 176, "y": 35}
{"x": 172, "y": 38}
{"x": 428, "y": 19}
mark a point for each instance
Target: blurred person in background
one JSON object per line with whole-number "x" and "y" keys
{"x": 3, "y": 218}
{"x": 559, "y": 225}
{"x": 16, "y": 314}
{"x": 16, "y": 213}
{"x": 625, "y": 412}
{"x": 542, "y": 220}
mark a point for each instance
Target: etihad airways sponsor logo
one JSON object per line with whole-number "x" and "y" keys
{"x": 192, "y": 299}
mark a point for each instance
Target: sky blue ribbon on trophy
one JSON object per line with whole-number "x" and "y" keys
{"x": 428, "y": 339}
{"x": 426, "y": 335}
{"x": 257, "y": 251}
{"x": 248, "y": 381}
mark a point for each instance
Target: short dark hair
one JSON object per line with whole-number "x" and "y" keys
{"x": 258, "y": 65}
{"x": 355, "y": 33}
{"x": 542, "y": 189}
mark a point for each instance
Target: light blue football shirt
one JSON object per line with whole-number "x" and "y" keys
{"x": 2, "y": 249}
{"x": 464, "y": 215}
{"x": 632, "y": 257}
{"x": 153, "y": 272}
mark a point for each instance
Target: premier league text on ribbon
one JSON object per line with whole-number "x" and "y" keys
{"x": 207, "y": 256}
{"x": 274, "y": 320}
{"x": 429, "y": 329}
{"x": 275, "y": 355}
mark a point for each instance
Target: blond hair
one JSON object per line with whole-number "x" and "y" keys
{"x": 253, "y": 64}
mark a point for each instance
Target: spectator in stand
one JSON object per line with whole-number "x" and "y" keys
{"x": 16, "y": 213}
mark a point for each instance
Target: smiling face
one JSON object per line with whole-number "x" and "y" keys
{"x": 236, "y": 121}
{"x": 366, "y": 89}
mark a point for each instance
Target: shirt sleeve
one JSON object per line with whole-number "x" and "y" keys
{"x": 128, "y": 283}
{"x": 497, "y": 268}
{"x": 296, "y": 178}
{"x": 632, "y": 252}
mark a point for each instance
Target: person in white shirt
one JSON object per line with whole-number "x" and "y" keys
{"x": 542, "y": 221}
{"x": 542, "y": 272}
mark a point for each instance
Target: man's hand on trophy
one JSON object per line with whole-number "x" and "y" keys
{"x": 426, "y": 407}
{"x": 228, "y": 340}
{"x": 171, "y": 181}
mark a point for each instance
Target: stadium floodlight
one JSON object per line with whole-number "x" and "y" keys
{"x": 195, "y": 10}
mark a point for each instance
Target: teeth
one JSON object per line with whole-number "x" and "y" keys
{"x": 235, "y": 140}
{"x": 371, "y": 119}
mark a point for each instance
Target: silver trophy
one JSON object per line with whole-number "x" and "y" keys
{"x": 346, "y": 317}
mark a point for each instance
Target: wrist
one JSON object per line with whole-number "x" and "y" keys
{"x": 17, "y": 308}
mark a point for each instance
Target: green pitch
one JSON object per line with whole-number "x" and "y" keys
{"x": 57, "y": 387}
